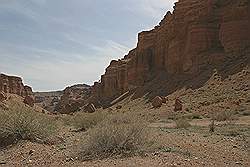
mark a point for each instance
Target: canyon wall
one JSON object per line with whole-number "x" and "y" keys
{"x": 14, "y": 85}
{"x": 197, "y": 34}
{"x": 73, "y": 98}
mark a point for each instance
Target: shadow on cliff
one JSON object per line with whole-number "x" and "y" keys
{"x": 164, "y": 84}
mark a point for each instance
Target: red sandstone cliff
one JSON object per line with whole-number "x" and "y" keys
{"x": 14, "y": 85}
{"x": 198, "y": 34}
{"x": 73, "y": 98}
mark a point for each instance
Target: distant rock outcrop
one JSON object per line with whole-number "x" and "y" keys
{"x": 73, "y": 98}
{"x": 90, "y": 108}
{"x": 48, "y": 100}
{"x": 198, "y": 34}
{"x": 29, "y": 100}
{"x": 14, "y": 85}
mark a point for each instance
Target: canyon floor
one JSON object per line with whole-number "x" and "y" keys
{"x": 228, "y": 145}
{"x": 195, "y": 146}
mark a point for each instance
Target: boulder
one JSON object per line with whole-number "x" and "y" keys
{"x": 29, "y": 100}
{"x": 3, "y": 97}
{"x": 118, "y": 107}
{"x": 164, "y": 99}
{"x": 157, "y": 102}
{"x": 90, "y": 108}
{"x": 178, "y": 105}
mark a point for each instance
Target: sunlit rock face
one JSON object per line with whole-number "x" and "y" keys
{"x": 198, "y": 33}
{"x": 14, "y": 85}
{"x": 73, "y": 98}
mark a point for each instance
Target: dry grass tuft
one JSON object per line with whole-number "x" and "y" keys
{"x": 22, "y": 123}
{"x": 182, "y": 123}
{"x": 84, "y": 121}
{"x": 224, "y": 116}
{"x": 117, "y": 135}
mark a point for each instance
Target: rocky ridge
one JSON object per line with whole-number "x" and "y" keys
{"x": 198, "y": 36}
{"x": 14, "y": 85}
{"x": 73, "y": 98}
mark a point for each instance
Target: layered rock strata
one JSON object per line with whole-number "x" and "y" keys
{"x": 73, "y": 99}
{"x": 198, "y": 33}
{"x": 14, "y": 85}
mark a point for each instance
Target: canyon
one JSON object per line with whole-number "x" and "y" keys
{"x": 180, "y": 98}
{"x": 200, "y": 35}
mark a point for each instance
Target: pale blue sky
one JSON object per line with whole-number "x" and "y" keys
{"x": 56, "y": 43}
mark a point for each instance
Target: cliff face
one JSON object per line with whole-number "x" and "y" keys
{"x": 73, "y": 98}
{"x": 14, "y": 85}
{"x": 197, "y": 34}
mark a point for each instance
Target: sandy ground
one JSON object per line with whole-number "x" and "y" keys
{"x": 228, "y": 146}
{"x": 194, "y": 146}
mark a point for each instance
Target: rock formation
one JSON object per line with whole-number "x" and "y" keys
{"x": 178, "y": 105}
{"x": 198, "y": 34}
{"x": 90, "y": 108}
{"x": 164, "y": 99}
{"x": 29, "y": 100}
{"x": 157, "y": 102}
{"x": 14, "y": 85}
{"x": 73, "y": 99}
{"x": 48, "y": 100}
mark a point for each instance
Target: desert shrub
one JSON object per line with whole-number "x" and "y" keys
{"x": 65, "y": 119}
{"x": 234, "y": 130}
{"x": 212, "y": 126}
{"x": 173, "y": 115}
{"x": 224, "y": 116}
{"x": 182, "y": 123}
{"x": 232, "y": 133}
{"x": 117, "y": 135}
{"x": 22, "y": 123}
{"x": 196, "y": 116}
{"x": 84, "y": 121}
{"x": 193, "y": 116}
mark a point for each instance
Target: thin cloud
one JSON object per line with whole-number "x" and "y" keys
{"x": 111, "y": 48}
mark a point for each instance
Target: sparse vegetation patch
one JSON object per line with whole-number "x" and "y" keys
{"x": 22, "y": 123}
{"x": 224, "y": 116}
{"x": 84, "y": 121}
{"x": 182, "y": 123}
{"x": 117, "y": 135}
